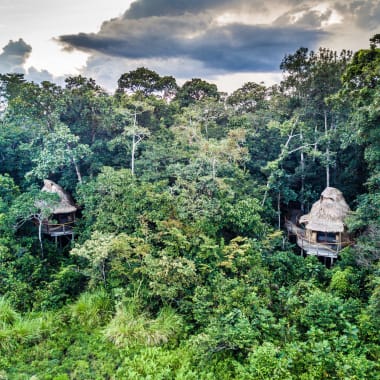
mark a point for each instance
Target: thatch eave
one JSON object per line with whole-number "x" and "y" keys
{"x": 326, "y": 227}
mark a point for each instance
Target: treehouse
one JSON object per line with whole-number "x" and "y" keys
{"x": 62, "y": 219}
{"x": 323, "y": 231}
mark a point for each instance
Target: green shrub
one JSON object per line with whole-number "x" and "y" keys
{"x": 264, "y": 362}
{"x": 26, "y": 330}
{"x": 92, "y": 309}
{"x": 129, "y": 327}
{"x": 8, "y": 315}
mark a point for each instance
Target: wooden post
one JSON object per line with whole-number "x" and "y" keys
{"x": 339, "y": 246}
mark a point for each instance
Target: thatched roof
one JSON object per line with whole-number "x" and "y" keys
{"x": 66, "y": 204}
{"x": 328, "y": 213}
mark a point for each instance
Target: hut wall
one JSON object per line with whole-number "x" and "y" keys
{"x": 311, "y": 236}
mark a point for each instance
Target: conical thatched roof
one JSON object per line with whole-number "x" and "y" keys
{"x": 327, "y": 214}
{"x": 66, "y": 204}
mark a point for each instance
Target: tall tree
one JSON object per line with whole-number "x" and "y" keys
{"x": 133, "y": 134}
{"x": 56, "y": 149}
{"x": 361, "y": 93}
{"x": 249, "y": 98}
{"x": 195, "y": 90}
{"x": 309, "y": 79}
{"x": 145, "y": 82}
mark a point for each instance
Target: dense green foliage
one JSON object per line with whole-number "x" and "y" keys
{"x": 180, "y": 269}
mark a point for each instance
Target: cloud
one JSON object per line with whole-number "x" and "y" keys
{"x": 366, "y": 13}
{"x": 305, "y": 17}
{"x": 14, "y": 55}
{"x": 187, "y": 39}
{"x": 13, "y": 58}
{"x": 231, "y": 47}
{"x": 39, "y": 76}
{"x": 149, "y": 8}
{"x": 213, "y": 38}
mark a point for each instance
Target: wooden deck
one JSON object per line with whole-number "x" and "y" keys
{"x": 318, "y": 249}
{"x": 56, "y": 230}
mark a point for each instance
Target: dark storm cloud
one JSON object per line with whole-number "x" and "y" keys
{"x": 14, "y": 55}
{"x": 233, "y": 47}
{"x": 155, "y": 37}
{"x": 148, "y": 8}
{"x": 240, "y": 48}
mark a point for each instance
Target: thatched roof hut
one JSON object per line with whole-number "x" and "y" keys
{"x": 328, "y": 213}
{"x": 66, "y": 204}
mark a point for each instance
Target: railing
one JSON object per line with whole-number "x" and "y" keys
{"x": 57, "y": 227}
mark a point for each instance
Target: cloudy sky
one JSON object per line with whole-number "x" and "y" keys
{"x": 228, "y": 42}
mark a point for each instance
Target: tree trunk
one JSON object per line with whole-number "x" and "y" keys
{"x": 213, "y": 168}
{"x": 103, "y": 271}
{"x": 302, "y": 175}
{"x": 40, "y": 236}
{"x": 327, "y": 152}
{"x": 265, "y": 194}
{"x": 133, "y": 144}
{"x": 79, "y": 176}
{"x": 279, "y": 209}
{"x": 133, "y": 154}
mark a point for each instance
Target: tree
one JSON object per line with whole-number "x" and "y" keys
{"x": 87, "y": 109}
{"x": 36, "y": 206}
{"x": 277, "y": 176}
{"x": 361, "y": 93}
{"x": 132, "y": 129}
{"x": 228, "y": 150}
{"x": 10, "y": 87}
{"x": 213, "y": 152}
{"x": 35, "y": 113}
{"x": 115, "y": 201}
{"x": 59, "y": 148}
{"x": 195, "y": 90}
{"x": 310, "y": 78}
{"x": 249, "y": 98}
{"x": 146, "y": 82}
{"x": 8, "y": 192}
